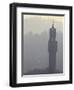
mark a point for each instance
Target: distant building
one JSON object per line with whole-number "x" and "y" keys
{"x": 52, "y": 48}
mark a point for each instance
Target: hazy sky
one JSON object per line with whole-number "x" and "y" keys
{"x": 35, "y": 41}
{"x": 39, "y": 23}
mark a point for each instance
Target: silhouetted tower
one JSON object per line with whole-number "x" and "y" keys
{"x": 52, "y": 48}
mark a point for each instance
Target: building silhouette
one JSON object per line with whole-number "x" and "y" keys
{"x": 52, "y": 48}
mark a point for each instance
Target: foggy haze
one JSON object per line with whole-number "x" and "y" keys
{"x": 35, "y": 46}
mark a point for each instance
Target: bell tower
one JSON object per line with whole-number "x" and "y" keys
{"x": 52, "y": 49}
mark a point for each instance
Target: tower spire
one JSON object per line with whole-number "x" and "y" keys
{"x": 53, "y": 23}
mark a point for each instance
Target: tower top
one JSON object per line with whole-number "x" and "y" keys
{"x": 53, "y": 24}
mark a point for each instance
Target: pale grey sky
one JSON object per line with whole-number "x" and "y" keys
{"x": 39, "y": 23}
{"x": 35, "y": 41}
